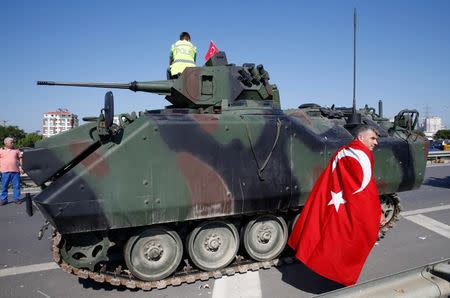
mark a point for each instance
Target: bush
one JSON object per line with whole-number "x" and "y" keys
{"x": 442, "y": 134}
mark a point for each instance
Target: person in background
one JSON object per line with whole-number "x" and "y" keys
{"x": 182, "y": 54}
{"x": 11, "y": 168}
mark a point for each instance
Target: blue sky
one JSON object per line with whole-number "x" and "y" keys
{"x": 403, "y": 51}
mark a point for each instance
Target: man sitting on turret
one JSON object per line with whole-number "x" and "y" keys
{"x": 183, "y": 54}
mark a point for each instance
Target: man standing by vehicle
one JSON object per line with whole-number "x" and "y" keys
{"x": 339, "y": 224}
{"x": 183, "y": 54}
{"x": 11, "y": 167}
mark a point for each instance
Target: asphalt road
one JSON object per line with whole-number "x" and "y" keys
{"x": 421, "y": 236}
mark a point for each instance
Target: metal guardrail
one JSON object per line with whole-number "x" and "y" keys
{"x": 25, "y": 178}
{"x": 26, "y": 182}
{"x": 434, "y": 155}
{"x": 432, "y": 280}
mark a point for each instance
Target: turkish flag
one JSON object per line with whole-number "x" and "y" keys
{"x": 211, "y": 51}
{"x": 339, "y": 223}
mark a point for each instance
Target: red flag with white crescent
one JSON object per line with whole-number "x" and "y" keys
{"x": 212, "y": 50}
{"x": 339, "y": 224}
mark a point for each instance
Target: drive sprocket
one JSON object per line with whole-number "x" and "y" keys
{"x": 85, "y": 250}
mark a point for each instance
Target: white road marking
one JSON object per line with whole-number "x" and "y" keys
{"x": 244, "y": 286}
{"x": 424, "y": 210}
{"x": 430, "y": 224}
{"x": 28, "y": 269}
{"x": 43, "y": 294}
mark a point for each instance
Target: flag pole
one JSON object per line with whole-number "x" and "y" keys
{"x": 354, "y": 118}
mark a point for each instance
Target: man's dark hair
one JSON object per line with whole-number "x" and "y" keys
{"x": 185, "y": 35}
{"x": 363, "y": 128}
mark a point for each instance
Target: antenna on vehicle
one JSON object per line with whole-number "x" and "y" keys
{"x": 354, "y": 118}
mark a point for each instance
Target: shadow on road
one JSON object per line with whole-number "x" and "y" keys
{"x": 304, "y": 279}
{"x": 438, "y": 182}
{"x": 91, "y": 284}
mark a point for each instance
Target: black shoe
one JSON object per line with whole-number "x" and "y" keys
{"x": 3, "y": 203}
{"x": 18, "y": 202}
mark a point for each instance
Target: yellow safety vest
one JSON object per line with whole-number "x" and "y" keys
{"x": 183, "y": 54}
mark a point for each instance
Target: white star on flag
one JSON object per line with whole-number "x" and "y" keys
{"x": 336, "y": 200}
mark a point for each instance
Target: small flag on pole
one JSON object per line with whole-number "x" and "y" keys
{"x": 211, "y": 51}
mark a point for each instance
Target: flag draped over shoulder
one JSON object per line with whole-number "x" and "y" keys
{"x": 212, "y": 50}
{"x": 339, "y": 224}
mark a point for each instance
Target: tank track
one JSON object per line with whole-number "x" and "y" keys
{"x": 121, "y": 277}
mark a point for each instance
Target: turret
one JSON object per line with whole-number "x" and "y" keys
{"x": 207, "y": 87}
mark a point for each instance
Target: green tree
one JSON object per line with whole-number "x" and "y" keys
{"x": 11, "y": 131}
{"x": 442, "y": 134}
{"x": 29, "y": 140}
{"x": 21, "y": 138}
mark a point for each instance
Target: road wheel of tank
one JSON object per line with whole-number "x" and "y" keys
{"x": 265, "y": 237}
{"x": 390, "y": 206}
{"x": 154, "y": 253}
{"x": 213, "y": 245}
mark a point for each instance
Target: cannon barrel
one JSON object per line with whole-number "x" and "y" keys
{"x": 159, "y": 87}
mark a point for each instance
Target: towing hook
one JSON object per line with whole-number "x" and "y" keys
{"x": 43, "y": 229}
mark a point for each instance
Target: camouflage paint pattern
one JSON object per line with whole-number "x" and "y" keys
{"x": 224, "y": 148}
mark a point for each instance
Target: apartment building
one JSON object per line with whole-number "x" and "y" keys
{"x": 56, "y": 122}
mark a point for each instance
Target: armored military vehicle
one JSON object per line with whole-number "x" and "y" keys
{"x": 206, "y": 186}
